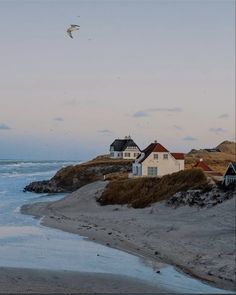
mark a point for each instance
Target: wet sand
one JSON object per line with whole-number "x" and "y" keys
{"x": 199, "y": 241}
{"x": 21, "y": 281}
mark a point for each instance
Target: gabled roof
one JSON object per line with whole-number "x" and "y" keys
{"x": 122, "y": 144}
{"x": 203, "y": 166}
{"x": 178, "y": 156}
{"x": 152, "y": 148}
{"x": 233, "y": 165}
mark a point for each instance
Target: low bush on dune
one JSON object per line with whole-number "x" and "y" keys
{"x": 117, "y": 176}
{"x": 141, "y": 192}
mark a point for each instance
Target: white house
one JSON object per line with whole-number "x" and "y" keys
{"x": 124, "y": 149}
{"x": 156, "y": 160}
{"x": 230, "y": 174}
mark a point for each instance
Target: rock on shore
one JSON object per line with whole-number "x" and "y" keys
{"x": 71, "y": 178}
{"x": 202, "y": 199}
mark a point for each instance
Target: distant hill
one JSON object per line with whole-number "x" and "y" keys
{"x": 218, "y": 160}
{"x": 228, "y": 147}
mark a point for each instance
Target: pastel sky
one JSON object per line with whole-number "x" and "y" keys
{"x": 161, "y": 70}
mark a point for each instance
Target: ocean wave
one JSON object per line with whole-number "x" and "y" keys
{"x": 35, "y": 163}
{"x": 30, "y": 174}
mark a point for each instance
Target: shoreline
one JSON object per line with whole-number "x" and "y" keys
{"x": 137, "y": 232}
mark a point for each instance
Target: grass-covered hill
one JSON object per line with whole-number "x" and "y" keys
{"x": 218, "y": 160}
{"x": 141, "y": 192}
{"x": 72, "y": 177}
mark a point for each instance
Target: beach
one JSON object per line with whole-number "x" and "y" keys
{"x": 19, "y": 280}
{"x": 200, "y": 242}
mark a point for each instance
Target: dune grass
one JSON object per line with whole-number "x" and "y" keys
{"x": 141, "y": 192}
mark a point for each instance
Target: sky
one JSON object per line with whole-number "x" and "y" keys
{"x": 155, "y": 70}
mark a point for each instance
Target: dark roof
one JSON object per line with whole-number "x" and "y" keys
{"x": 212, "y": 150}
{"x": 122, "y": 144}
{"x": 233, "y": 165}
{"x": 203, "y": 166}
{"x": 178, "y": 156}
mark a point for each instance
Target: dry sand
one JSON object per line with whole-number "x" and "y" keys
{"x": 199, "y": 241}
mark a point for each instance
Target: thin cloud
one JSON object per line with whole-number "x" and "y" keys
{"x": 3, "y": 126}
{"x": 104, "y": 131}
{"x": 58, "y": 119}
{"x": 146, "y": 113}
{"x": 224, "y": 116}
{"x": 71, "y": 102}
{"x": 140, "y": 114}
{"x": 217, "y": 130}
{"x": 189, "y": 138}
{"x": 177, "y": 127}
{"x": 166, "y": 110}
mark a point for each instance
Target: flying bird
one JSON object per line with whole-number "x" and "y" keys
{"x": 71, "y": 29}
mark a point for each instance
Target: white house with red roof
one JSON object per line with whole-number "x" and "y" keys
{"x": 156, "y": 160}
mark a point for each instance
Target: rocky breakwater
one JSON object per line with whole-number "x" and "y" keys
{"x": 71, "y": 178}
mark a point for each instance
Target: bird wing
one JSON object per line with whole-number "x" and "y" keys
{"x": 69, "y": 33}
{"x": 74, "y": 26}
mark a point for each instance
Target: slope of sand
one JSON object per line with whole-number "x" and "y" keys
{"x": 23, "y": 281}
{"x": 200, "y": 241}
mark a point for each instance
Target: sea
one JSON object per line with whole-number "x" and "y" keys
{"x": 25, "y": 243}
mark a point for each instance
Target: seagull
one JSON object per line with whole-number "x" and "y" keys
{"x": 71, "y": 29}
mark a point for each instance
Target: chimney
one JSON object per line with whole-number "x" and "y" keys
{"x": 155, "y": 141}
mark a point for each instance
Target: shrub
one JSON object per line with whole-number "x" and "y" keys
{"x": 141, "y": 192}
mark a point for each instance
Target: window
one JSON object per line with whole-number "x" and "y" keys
{"x": 127, "y": 155}
{"x": 112, "y": 154}
{"x": 155, "y": 156}
{"x": 152, "y": 171}
{"x": 165, "y": 156}
{"x": 136, "y": 155}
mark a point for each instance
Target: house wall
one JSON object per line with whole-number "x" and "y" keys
{"x": 116, "y": 155}
{"x": 164, "y": 166}
{"x": 132, "y": 151}
{"x": 181, "y": 162}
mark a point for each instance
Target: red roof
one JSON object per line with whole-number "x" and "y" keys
{"x": 178, "y": 156}
{"x": 214, "y": 173}
{"x": 203, "y": 166}
{"x": 158, "y": 148}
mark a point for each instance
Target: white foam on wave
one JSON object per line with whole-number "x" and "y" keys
{"x": 31, "y": 164}
{"x": 17, "y": 209}
{"x": 18, "y": 174}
